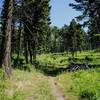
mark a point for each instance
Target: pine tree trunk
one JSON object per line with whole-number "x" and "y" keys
{"x": 34, "y": 56}
{"x": 19, "y": 40}
{"x": 30, "y": 51}
{"x": 6, "y": 54}
{"x": 26, "y": 48}
{"x": 26, "y": 53}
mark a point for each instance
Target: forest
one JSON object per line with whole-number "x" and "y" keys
{"x": 39, "y": 61}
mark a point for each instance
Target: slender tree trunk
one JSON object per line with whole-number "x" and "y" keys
{"x": 73, "y": 48}
{"x": 6, "y": 54}
{"x": 20, "y": 30}
{"x": 26, "y": 51}
{"x": 34, "y": 53}
{"x": 13, "y": 49}
{"x": 30, "y": 51}
{"x": 19, "y": 40}
{"x": 26, "y": 46}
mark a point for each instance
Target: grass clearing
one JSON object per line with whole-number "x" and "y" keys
{"x": 33, "y": 85}
{"x": 28, "y": 86}
{"x": 61, "y": 60}
{"x": 80, "y": 85}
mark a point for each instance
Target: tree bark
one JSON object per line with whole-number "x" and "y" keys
{"x": 19, "y": 40}
{"x": 26, "y": 48}
{"x": 30, "y": 51}
{"x": 6, "y": 54}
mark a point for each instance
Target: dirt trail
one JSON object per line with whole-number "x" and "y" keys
{"x": 55, "y": 89}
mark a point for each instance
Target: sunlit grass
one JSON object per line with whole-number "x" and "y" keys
{"x": 28, "y": 85}
{"x": 82, "y": 83}
{"x": 33, "y": 85}
{"x": 61, "y": 59}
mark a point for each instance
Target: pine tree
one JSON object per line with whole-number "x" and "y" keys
{"x": 91, "y": 11}
{"x": 35, "y": 20}
{"x": 76, "y": 37}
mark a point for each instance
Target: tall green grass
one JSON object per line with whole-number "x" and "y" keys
{"x": 62, "y": 59}
{"x": 81, "y": 85}
{"x": 3, "y": 86}
{"x": 26, "y": 85}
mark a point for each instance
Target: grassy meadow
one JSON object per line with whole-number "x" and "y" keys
{"x": 80, "y": 85}
{"x": 33, "y": 84}
{"x": 26, "y": 86}
{"x": 62, "y": 60}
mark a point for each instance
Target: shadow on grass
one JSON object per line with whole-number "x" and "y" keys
{"x": 54, "y": 71}
{"x": 51, "y": 70}
{"x": 21, "y": 65}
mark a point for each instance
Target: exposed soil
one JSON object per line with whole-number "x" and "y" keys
{"x": 55, "y": 90}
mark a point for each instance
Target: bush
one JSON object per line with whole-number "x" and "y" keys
{"x": 27, "y": 67}
{"x": 88, "y": 58}
{"x": 97, "y": 50}
{"x": 18, "y": 96}
{"x": 17, "y": 62}
{"x": 2, "y": 86}
{"x": 1, "y": 75}
{"x": 89, "y": 95}
{"x": 72, "y": 60}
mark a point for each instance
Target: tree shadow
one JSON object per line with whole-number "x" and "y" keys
{"x": 54, "y": 71}
{"x": 17, "y": 62}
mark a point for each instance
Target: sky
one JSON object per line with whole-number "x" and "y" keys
{"x": 0, "y": 5}
{"x": 61, "y": 13}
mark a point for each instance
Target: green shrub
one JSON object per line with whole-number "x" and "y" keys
{"x": 2, "y": 86}
{"x": 72, "y": 60}
{"x": 2, "y": 81}
{"x": 27, "y": 67}
{"x": 1, "y": 75}
{"x": 18, "y": 96}
{"x": 86, "y": 94}
{"x": 17, "y": 62}
{"x": 88, "y": 58}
